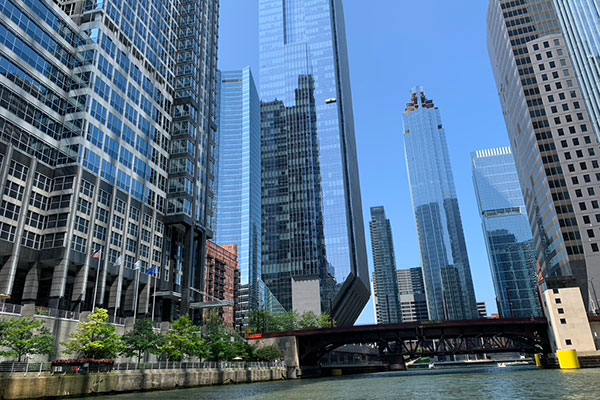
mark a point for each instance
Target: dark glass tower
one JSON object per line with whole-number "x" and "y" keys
{"x": 508, "y": 237}
{"x": 446, "y": 270}
{"x": 384, "y": 262}
{"x": 301, "y": 41}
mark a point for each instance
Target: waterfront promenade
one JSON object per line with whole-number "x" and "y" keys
{"x": 40, "y": 380}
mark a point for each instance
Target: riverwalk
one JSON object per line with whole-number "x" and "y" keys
{"x": 32, "y": 383}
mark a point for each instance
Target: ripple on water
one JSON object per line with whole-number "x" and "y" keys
{"x": 446, "y": 384}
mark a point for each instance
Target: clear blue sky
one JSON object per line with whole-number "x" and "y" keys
{"x": 394, "y": 46}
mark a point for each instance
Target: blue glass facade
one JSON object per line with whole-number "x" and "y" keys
{"x": 446, "y": 270}
{"x": 115, "y": 126}
{"x": 239, "y": 175}
{"x": 298, "y": 39}
{"x": 580, "y": 21}
{"x": 507, "y": 232}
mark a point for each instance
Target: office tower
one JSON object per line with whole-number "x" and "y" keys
{"x": 301, "y": 41}
{"x": 507, "y": 233}
{"x": 106, "y": 135}
{"x": 239, "y": 181}
{"x": 413, "y": 302}
{"x": 222, "y": 281}
{"x": 580, "y": 22}
{"x": 446, "y": 271}
{"x": 384, "y": 262}
{"x": 482, "y": 309}
{"x": 552, "y": 140}
{"x": 294, "y": 263}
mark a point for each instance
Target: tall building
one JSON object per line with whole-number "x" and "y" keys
{"x": 106, "y": 140}
{"x": 301, "y": 41}
{"x": 413, "y": 302}
{"x": 580, "y": 21}
{"x": 446, "y": 270}
{"x": 507, "y": 233}
{"x": 239, "y": 181}
{"x": 384, "y": 263}
{"x": 552, "y": 140}
{"x": 222, "y": 280}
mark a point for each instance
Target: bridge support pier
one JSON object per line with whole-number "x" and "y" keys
{"x": 395, "y": 361}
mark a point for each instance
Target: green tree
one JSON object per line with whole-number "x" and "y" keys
{"x": 184, "y": 340}
{"x": 22, "y": 337}
{"x": 264, "y": 322}
{"x": 268, "y": 353}
{"x": 141, "y": 340}
{"x": 95, "y": 339}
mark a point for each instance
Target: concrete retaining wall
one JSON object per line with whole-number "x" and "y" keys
{"x": 52, "y": 386}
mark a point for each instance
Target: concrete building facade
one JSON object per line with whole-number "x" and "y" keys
{"x": 411, "y": 289}
{"x": 555, "y": 150}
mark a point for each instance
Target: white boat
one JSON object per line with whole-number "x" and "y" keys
{"x": 501, "y": 365}
{"x": 431, "y": 366}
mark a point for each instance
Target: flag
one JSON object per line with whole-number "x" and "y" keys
{"x": 118, "y": 261}
{"x": 137, "y": 265}
{"x": 97, "y": 255}
{"x": 152, "y": 271}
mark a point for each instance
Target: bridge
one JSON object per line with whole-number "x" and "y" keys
{"x": 397, "y": 342}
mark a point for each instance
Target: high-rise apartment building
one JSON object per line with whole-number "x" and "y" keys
{"x": 239, "y": 181}
{"x": 384, "y": 263}
{"x": 580, "y": 21}
{"x": 552, "y": 140}
{"x": 446, "y": 270}
{"x": 413, "y": 302}
{"x": 299, "y": 42}
{"x": 106, "y": 141}
{"x": 507, "y": 233}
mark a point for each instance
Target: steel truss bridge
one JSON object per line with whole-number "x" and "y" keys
{"x": 425, "y": 339}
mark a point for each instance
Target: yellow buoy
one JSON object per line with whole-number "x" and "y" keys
{"x": 567, "y": 359}
{"x": 336, "y": 372}
{"x": 538, "y": 361}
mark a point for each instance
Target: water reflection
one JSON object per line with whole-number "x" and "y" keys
{"x": 449, "y": 384}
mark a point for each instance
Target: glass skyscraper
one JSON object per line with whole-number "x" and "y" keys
{"x": 385, "y": 280}
{"x": 446, "y": 270}
{"x": 301, "y": 41}
{"x": 239, "y": 180}
{"x": 552, "y": 139}
{"x": 580, "y": 21}
{"x": 107, "y": 130}
{"x": 507, "y": 232}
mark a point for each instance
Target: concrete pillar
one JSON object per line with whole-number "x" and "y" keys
{"x": 28, "y": 310}
{"x": 32, "y": 280}
{"x": 59, "y": 278}
{"x": 80, "y": 284}
{"x": 144, "y": 297}
{"x": 114, "y": 291}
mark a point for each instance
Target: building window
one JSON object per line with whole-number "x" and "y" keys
{"x": 568, "y": 342}
{"x": 563, "y": 321}
{"x": 558, "y": 300}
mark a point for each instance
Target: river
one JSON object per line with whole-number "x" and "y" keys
{"x": 486, "y": 383}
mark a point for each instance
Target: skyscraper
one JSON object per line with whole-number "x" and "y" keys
{"x": 446, "y": 270}
{"x": 239, "y": 180}
{"x": 507, "y": 233}
{"x": 384, "y": 263}
{"x": 580, "y": 21}
{"x": 299, "y": 40}
{"x": 552, "y": 140}
{"x": 106, "y": 140}
{"x": 413, "y": 302}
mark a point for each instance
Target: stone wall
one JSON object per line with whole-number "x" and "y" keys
{"x": 34, "y": 386}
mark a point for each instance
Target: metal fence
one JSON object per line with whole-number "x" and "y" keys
{"x": 7, "y": 308}
{"x": 47, "y": 368}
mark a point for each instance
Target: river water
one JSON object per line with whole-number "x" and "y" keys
{"x": 486, "y": 383}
